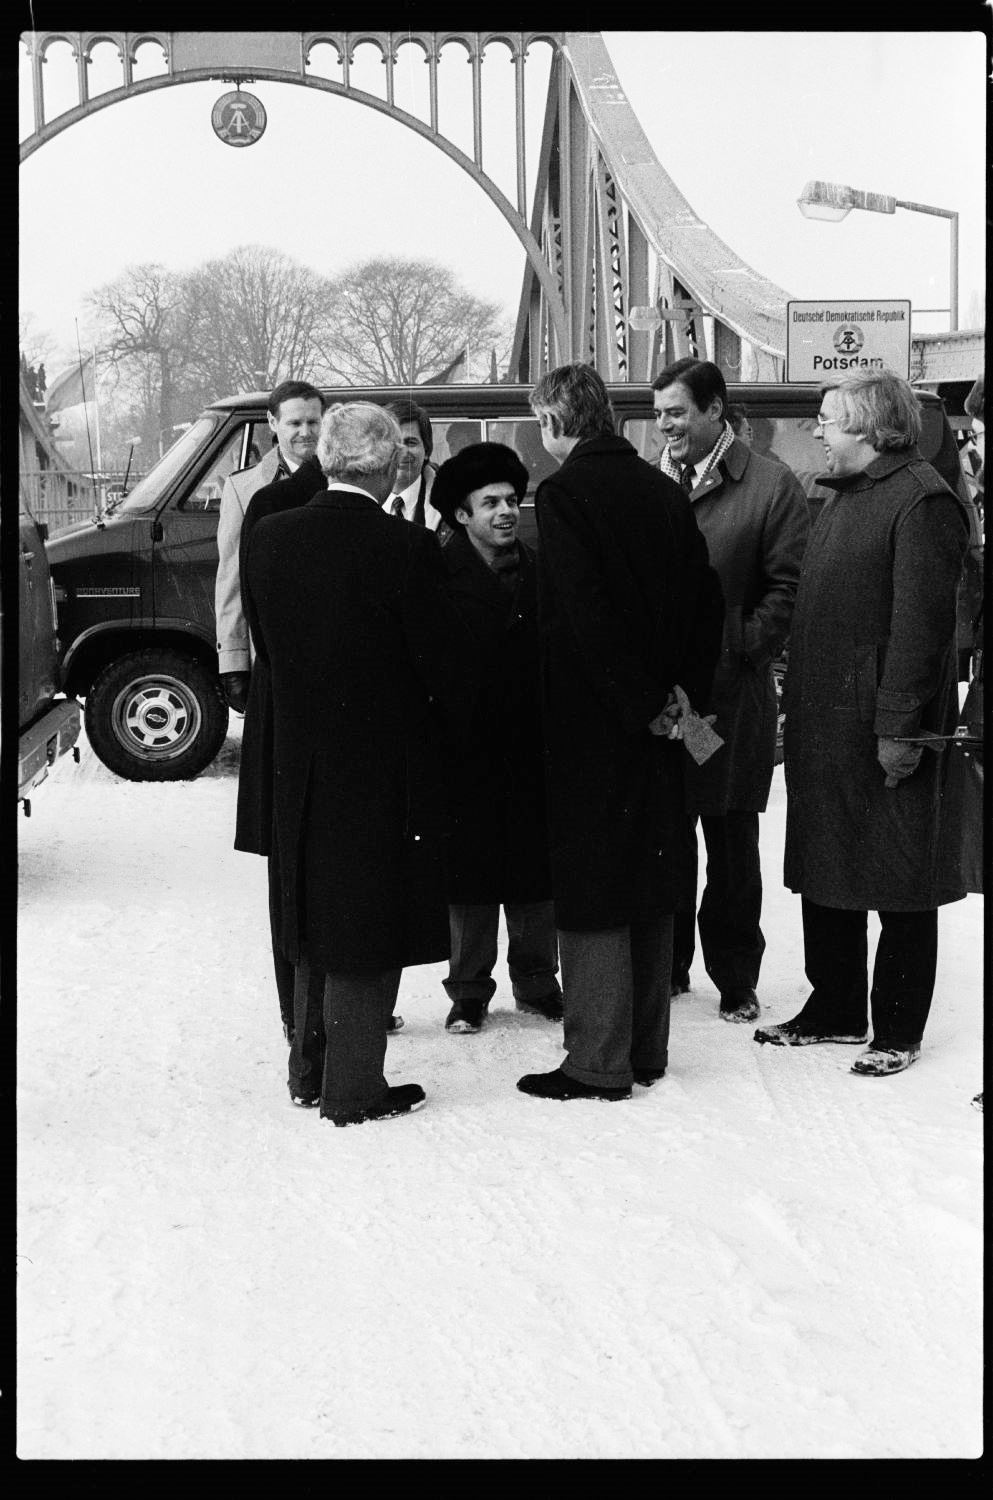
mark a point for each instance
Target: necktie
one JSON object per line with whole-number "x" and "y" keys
{"x": 397, "y": 506}
{"x": 686, "y": 478}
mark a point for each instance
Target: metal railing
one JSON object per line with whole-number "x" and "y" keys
{"x": 62, "y": 497}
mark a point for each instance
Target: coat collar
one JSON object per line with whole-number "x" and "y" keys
{"x": 885, "y": 464}
{"x": 609, "y": 444}
{"x": 735, "y": 461}
{"x": 334, "y": 499}
{"x": 462, "y": 555}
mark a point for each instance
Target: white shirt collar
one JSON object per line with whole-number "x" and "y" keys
{"x": 339, "y": 484}
{"x": 408, "y": 496}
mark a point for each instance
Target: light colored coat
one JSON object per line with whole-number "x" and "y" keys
{"x": 234, "y": 652}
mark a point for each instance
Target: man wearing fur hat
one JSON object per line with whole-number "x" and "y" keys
{"x": 498, "y": 852}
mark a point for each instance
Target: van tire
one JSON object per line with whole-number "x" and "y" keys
{"x": 156, "y": 715}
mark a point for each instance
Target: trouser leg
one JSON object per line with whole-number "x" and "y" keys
{"x": 684, "y": 917}
{"x": 532, "y": 950}
{"x": 306, "y": 1061}
{"x": 835, "y": 955}
{"x": 284, "y": 970}
{"x": 730, "y": 936}
{"x": 598, "y": 982}
{"x": 903, "y": 977}
{"x": 356, "y": 1010}
{"x": 651, "y": 966}
{"x": 473, "y": 931}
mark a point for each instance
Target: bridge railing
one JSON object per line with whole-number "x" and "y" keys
{"x": 62, "y": 497}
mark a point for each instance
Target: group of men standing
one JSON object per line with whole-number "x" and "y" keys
{"x": 435, "y": 731}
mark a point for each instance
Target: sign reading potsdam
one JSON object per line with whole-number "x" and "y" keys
{"x": 824, "y": 339}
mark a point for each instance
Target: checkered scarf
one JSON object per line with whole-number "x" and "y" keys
{"x": 717, "y": 452}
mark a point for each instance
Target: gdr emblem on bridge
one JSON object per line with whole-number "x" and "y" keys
{"x": 238, "y": 119}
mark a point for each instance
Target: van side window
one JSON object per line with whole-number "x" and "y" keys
{"x": 207, "y": 494}
{"x": 524, "y": 435}
{"x": 450, "y": 437}
{"x": 644, "y": 436}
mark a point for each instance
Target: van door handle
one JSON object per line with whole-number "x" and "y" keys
{"x": 28, "y": 556}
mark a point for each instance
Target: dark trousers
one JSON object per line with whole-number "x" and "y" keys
{"x": 730, "y": 936}
{"x": 835, "y": 950}
{"x": 349, "y": 1028}
{"x": 532, "y": 955}
{"x": 616, "y": 997}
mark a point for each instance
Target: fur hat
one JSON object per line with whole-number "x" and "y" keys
{"x": 470, "y": 469}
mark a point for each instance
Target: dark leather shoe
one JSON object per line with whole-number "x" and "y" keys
{"x": 466, "y": 1016}
{"x": 739, "y": 1005}
{"x": 305, "y": 1101}
{"x": 802, "y": 1033}
{"x": 879, "y": 1062}
{"x": 402, "y": 1099}
{"x": 647, "y": 1076}
{"x": 549, "y": 1006}
{"x": 558, "y": 1085}
{"x": 393, "y": 1025}
{"x": 679, "y": 984}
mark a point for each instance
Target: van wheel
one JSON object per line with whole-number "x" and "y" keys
{"x": 156, "y": 715}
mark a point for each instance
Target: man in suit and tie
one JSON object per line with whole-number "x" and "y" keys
{"x": 295, "y": 411}
{"x": 415, "y": 473}
{"x": 753, "y": 514}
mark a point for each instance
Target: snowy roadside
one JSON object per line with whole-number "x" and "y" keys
{"x": 764, "y": 1256}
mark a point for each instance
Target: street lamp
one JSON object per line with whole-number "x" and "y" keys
{"x": 831, "y": 201}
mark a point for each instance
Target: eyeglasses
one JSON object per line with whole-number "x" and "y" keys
{"x": 826, "y": 421}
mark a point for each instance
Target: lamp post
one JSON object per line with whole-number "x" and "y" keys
{"x": 831, "y": 201}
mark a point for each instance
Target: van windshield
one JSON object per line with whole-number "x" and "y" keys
{"x": 149, "y": 491}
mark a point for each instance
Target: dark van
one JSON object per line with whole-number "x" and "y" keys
{"x": 135, "y": 592}
{"x": 48, "y": 723}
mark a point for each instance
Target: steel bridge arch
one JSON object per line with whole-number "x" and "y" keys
{"x": 474, "y": 43}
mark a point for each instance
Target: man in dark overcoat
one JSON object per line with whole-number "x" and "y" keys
{"x": 253, "y": 828}
{"x": 628, "y": 609}
{"x": 872, "y": 664}
{"x": 753, "y": 513}
{"x": 498, "y": 851}
{"x": 350, "y": 614}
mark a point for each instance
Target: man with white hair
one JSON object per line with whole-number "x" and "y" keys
{"x": 350, "y": 614}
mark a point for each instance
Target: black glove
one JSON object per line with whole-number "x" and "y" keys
{"x": 898, "y": 761}
{"x": 234, "y": 686}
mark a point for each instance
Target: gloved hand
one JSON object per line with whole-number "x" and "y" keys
{"x": 898, "y": 761}
{"x": 665, "y": 723}
{"x": 234, "y": 686}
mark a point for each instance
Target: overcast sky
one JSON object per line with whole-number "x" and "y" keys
{"x": 741, "y": 120}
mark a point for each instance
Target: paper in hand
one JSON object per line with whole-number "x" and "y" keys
{"x": 698, "y": 734}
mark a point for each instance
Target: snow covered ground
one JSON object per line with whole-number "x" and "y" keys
{"x": 763, "y": 1256}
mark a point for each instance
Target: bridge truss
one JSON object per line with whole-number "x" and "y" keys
{"x": 606, "y": 229}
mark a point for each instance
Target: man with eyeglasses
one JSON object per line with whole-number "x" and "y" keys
{"x": 871, "y": 674}
{"x": 753, "y": 514}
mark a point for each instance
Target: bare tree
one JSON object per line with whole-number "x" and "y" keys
{"x": 255, "y": 318}
{"x": 36, "y": 344}
{"x": 143, "y": 332}
{"x": 394, "y": 322}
